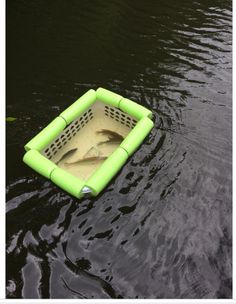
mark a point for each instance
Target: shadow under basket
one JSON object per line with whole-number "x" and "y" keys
{"x": 74, "y": 150}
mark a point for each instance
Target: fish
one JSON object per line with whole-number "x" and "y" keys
{"x": 109, "y": 141}
{"x": 93, "y": 154}
{"x": 87, "y": 160}
{"x": 111, "y": 134}
{"x": 93, "y": 151}
{"x": 67, "y": 154}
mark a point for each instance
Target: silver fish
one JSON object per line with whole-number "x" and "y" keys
{"x": 66, "y": 155}
{"x": 87, "y": 160}
{"x": 114, "y": 141}
{"x": 93, "y": 151}
{"x": 111, "y": 134}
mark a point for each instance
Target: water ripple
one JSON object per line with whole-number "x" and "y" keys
{"x": 162, "y": 227}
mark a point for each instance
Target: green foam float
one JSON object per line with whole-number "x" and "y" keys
{"x": 36, "y": 159}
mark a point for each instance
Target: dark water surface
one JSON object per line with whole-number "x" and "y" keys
{"x": 162, "y": 228}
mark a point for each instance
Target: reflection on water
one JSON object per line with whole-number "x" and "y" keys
{"x": 162, "y": 228}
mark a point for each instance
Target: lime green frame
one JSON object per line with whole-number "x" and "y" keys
{"x": 109, "y": 168}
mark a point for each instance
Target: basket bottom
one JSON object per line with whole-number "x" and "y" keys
{"x": 92, "y": 150}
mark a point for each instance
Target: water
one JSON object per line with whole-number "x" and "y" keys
{"x": 163, "y": 226}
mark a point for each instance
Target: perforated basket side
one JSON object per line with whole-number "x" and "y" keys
{"x": 67, "y": 134}
{"x": 120, "y": 116}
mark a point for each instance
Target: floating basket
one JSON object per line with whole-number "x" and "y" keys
{"x": 81, "y": 132}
